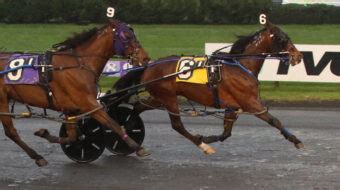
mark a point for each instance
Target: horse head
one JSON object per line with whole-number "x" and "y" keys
{"x": 281, "y": 43}
{"x": 115, "y": 38}
{"x": 126, "y": 44}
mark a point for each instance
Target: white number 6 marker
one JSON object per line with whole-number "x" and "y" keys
{"x": 263, "y": 19}
{"x": 110, "y": 12}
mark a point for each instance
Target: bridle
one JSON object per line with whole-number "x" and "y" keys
{"x": 121, "y": 42}
{"x": 285, "y": 55}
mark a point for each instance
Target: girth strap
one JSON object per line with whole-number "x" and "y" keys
{"x": 214, "y": 73}
{"x": 46, "y": 76}
{"x": 217, "y": 102}
{"x": 49, "y": 95}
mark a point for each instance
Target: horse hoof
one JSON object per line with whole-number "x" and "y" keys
{"x": 209, "y": 151}
{"x": 41, "y": 133}
{"x": 41, "y": 162}
{"x": 142, "y": 152}
{"x": 206, "y": 148}
{"x": 299, "y": 145}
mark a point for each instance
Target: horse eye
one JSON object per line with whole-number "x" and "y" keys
{"x": 290, "y": 48}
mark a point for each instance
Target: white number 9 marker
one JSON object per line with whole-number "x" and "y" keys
{"x": 263, "y": 19}
{"x": 110, "y": 12}
{"x": 15, "y": 75}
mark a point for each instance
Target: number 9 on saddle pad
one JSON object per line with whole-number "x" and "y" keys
{"x": 28, "y": 69}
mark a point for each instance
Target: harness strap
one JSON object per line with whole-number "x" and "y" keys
{"x": 230, "y": 120}
{"x": 72, "y": 118}
{"x": 261, "y": 112}
{"x": 217, "y": 101}
{"x": 49, "y": 95}
{"x": 240, "y": 111}
{"x": 214, "y": 78}
{"x": 45, "y": 73}
{"x": 20, "y": 115}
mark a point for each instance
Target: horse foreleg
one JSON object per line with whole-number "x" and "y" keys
{"x": 229, "y": 120}
{"x": 12, "y": 133}
{"x": 104, "y": 119}
{"x": 271, "y": 120}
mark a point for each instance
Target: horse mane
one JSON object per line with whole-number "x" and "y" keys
{"x": 76, "y": 40}
{"x": 240, "y": 45}
{"x": 280, "y": 41}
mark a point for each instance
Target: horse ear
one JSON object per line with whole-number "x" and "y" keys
{"x": 269, "y": 25}
{"x": 111, "y": 21}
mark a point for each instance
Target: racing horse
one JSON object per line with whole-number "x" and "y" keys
{"x": 237, "y": 90}
{"x": 75, "y": 66}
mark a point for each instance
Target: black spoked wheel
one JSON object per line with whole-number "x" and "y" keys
{"x": 90, "y": 143}
{"x": 134, "y": 127}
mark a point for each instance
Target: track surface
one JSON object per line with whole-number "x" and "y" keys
{"x": 255, "y": 157}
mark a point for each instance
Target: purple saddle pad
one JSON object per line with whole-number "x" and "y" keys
{"x": 28, "y": 75}
{"x": 116, "y": 68}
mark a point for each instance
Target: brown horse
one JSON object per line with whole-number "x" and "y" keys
{"x": 75, "y": 66}
{"x": 237, "y": 90}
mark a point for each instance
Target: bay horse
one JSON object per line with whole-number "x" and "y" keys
{"x": 76, "y": 65}
{"x": 237, "y": 90}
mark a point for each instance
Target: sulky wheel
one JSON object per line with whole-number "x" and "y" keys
{"x": 134, "y": 127}
{"x": 90, "y": 143}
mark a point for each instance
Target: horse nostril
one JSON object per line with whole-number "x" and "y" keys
{"x": 300, "y": 57}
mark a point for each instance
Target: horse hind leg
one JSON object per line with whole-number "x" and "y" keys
{"x": 12, "y": 133}
{"x": 172, "y": 106}
{"x": 71, "y": 131}
{"x": 229, "y": 120}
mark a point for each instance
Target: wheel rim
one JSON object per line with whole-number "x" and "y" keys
{"x": 89, "y": 145}
{"x": 134, "y": 128}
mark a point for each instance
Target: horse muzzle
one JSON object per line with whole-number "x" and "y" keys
{"x": 296, "y": 59}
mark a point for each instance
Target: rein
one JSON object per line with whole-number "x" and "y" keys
{"x": 79, "y": 65}
{"x": 230, "y": 56}
{"x": 31, "y": 114}
{"x": 282, "y": 56}
{"x": 138, "y": 86}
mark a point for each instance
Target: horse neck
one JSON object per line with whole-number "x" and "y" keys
{"x": 253, "y": 65}
{"x": 98, "y": 49}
